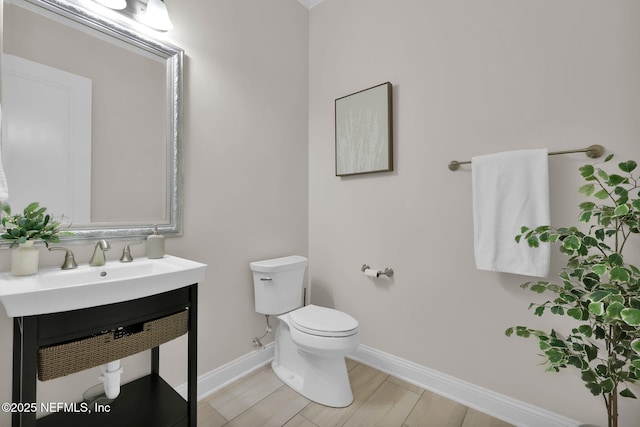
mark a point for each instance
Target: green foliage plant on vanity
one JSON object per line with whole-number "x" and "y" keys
{"x": 599, "y": 288}
{"x": 32, "y": 224}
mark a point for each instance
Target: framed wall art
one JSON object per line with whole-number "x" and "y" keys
{"x": 364, "y": 131}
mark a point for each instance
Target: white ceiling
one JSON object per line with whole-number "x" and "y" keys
{"x": 309, "y": 3}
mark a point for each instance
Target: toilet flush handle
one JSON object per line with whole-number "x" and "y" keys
{"x": 266, "y": 279}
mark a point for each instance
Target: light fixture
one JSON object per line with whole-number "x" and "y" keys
{"x": 156, "y": 16}
{"x": 113, "y": 4}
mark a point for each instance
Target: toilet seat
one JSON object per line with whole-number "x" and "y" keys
{"x": 324, "y": 322}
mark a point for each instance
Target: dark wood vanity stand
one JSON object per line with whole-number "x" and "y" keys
{"x": 148, "y": 401}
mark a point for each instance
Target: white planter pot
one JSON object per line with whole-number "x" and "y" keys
{"x": 24, "y": 259}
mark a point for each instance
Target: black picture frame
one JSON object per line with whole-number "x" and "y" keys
{"x": 364, "y": 131}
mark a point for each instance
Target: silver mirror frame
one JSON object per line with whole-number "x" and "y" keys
{"x": 122, "y": 30}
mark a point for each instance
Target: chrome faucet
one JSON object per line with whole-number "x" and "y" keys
{"x": 98, "y": 257}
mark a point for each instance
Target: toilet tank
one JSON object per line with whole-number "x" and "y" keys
{"x": 278, "y": 284}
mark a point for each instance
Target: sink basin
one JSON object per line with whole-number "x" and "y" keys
{"x": 52, "y": 290}
{"x": 113, "y": 271}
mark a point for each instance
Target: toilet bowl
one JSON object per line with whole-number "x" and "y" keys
{"x": 310, "y": 347}
{"x": 311, "y": 341}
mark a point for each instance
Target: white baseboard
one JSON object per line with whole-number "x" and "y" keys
{"x": 213, "y": 381}
{"x": 513, "y": 411}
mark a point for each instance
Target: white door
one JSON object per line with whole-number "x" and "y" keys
{"x": 46, "y": 138}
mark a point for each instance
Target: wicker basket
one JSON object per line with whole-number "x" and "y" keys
{"x": 64, "y": 359}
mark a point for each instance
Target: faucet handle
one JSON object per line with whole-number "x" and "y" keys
{"x": 126, "y": 252}
{"x": 69, "y": 260}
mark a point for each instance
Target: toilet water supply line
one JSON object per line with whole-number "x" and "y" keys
{"x": 110, "y": 378}
{"x": 256, "y": 340}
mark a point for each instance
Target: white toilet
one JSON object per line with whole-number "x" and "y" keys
{"x": 310, "y": 342}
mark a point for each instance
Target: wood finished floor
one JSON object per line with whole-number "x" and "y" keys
{"x": 262, "y": 400}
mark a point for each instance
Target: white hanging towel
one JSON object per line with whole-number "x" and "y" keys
{"x": 510, "y": 190}
{"x": 4, "y": 189}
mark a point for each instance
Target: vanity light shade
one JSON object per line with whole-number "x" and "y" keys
{"x": 156, "y": 16}
{"x": 113, "y": 4}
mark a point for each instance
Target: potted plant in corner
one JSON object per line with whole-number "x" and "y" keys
{"x": 23, "y": 230}
{"x": 599, "y": 288}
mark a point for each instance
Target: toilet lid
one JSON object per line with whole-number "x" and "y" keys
{"x": 323, "y": 321}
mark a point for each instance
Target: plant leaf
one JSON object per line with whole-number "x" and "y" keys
{"x": 616, "y": 180}
{"x": 615, "y": 259}
{"x": 631, "y": 316}
{"x": 539, "y": 287}
{"x": 592, "y": 352}
{"x": 621, "y": 210}
{"x": 585, "y": 216}
{"x": 587, "y": 206}
{"x": 628, "y": 393}
{"x": 597, "y": 308}
{"x": 598, "y": 296}
{"x": 577, "y": 362}
{"x": 588, "y": 375}
{"x": 587, "y": 171}
{"x": 600, "y": 269}
{"x": 595, "y": 388}
{"x": 614, "y": 309}
{"x": 572, "y": 243}
{"x": 30, "y": 208}
{"x": 575, "y": 312}
{"x": 602, "y": 174}
{"x": 587, "y": 189}
{"x": 607, "y": 385}
{"x": 627, "y": 166}
{"x": 619, "y": 273}
{"x": 554, "y": 356}
{"x": 585, "y": 330}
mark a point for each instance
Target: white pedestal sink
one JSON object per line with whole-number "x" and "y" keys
{"x": 53, "y": 290}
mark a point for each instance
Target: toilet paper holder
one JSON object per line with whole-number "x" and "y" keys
{"x": 367, "y": 270}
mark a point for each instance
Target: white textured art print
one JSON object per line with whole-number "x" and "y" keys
{"x": 362, "y": 131}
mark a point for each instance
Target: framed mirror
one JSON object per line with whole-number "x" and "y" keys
{"x": 91, "y": 123}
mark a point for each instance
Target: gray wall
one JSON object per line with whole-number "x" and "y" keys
{"x": 245, "y": 180}
{"x": 470, "y": 78}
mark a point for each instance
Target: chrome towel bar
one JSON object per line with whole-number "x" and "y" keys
{"x": 593, "y": 151}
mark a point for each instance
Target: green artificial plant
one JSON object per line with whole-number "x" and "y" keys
{"x": 599, "y": 288}
{"x": 32, "y": 224}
